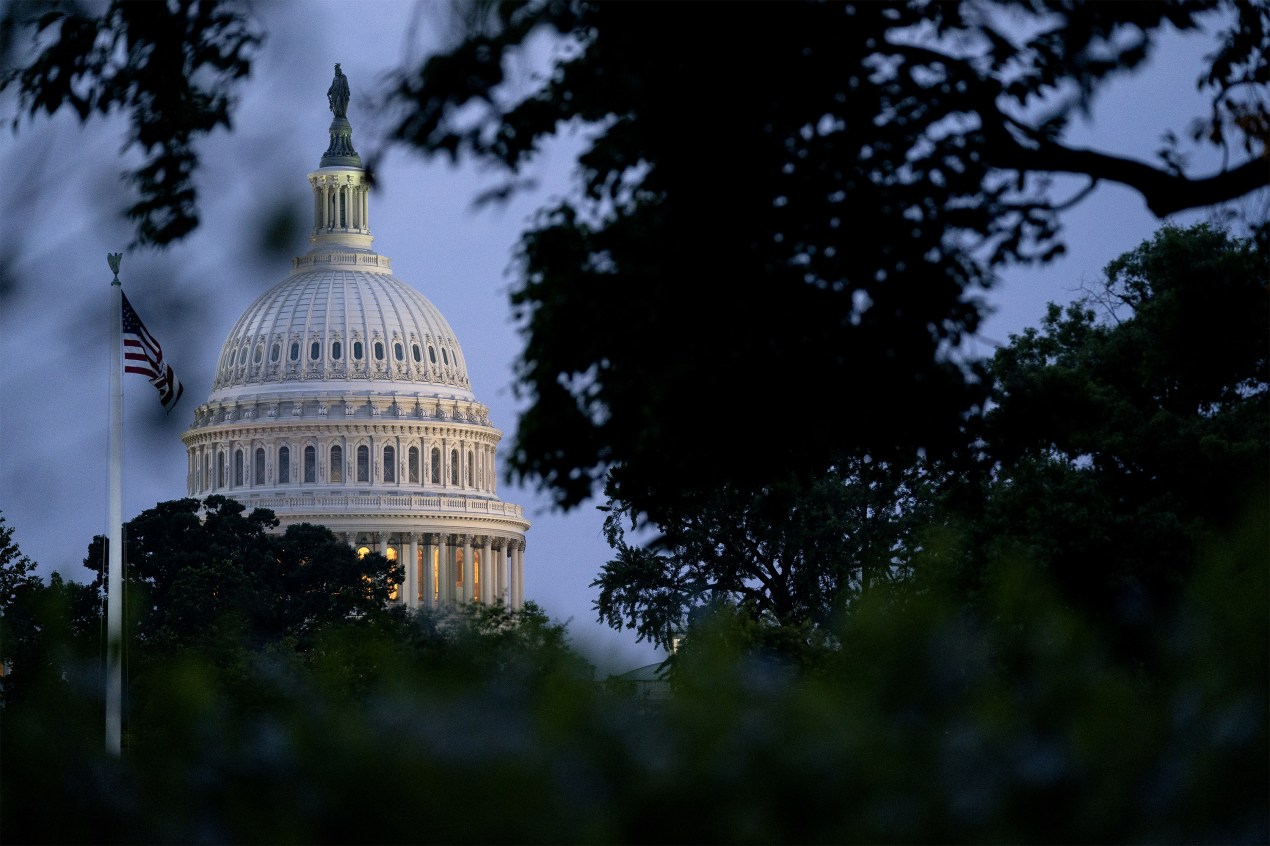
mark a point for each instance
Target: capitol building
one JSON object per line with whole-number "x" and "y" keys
{"x": 341, "y": 398}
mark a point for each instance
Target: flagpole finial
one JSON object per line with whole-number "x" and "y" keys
{"x": 113, "y": 260}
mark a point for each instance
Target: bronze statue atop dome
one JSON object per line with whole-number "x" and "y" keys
{"x": 338, "y": 93}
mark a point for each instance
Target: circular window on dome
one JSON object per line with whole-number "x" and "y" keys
{"x": 275, "y": 353}
{"x": 295, "y": 350}
{"x": 357, "y": 350}
{"x": 336, "y": 351}
{"x": 315, "y": 350}
{"x": 414, "y": 348}
{"x": 398, "y": 352}
{"x": 432, "y": 355}
{"x": 379, "y": 351}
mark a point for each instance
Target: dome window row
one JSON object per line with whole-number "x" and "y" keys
{"x": 232, "y": 370}
{"x": 231, "y": 472}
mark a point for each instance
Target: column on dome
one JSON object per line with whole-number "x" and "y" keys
{"x": 500, "y": 571}
{"x": 487, "y": 571}
{"x": 447, "y": 570}
{"x": 427, "y": 580}
{"x": 518, "y": 576}
{"x": 412, "y": 572}
{"x": 469, "y": 572}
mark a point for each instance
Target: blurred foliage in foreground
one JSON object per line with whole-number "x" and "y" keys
{"x": 935, "y": 721}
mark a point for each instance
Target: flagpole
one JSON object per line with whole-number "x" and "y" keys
{"x": 114, "y": 516}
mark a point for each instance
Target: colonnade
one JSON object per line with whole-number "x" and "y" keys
{"x": 452, "y": 568}
{"x": 342, "y": 206}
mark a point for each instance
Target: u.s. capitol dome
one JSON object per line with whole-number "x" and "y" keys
{"x": 342, "y": 398}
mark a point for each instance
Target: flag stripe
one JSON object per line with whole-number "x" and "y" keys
{"x": 143, "y": 355}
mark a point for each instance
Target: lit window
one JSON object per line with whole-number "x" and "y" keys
{"x": 363, "y": 463}
{"x": 390, "y": 464}
{"x": 310, "y": 464}
{"x": 284, "y": 465}
{"x": 362, "y": 552}
{"x": 337, "y": 464}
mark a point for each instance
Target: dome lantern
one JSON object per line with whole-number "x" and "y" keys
{"x": 341, "y": 194}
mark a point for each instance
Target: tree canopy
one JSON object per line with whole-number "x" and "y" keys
{"x": 779, "y": 202}
{"x": 1123, "y": 438}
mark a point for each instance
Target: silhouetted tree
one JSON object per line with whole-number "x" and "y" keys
{"x": 778, "y": 203}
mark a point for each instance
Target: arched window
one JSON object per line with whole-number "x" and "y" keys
{"x": 259, "y": 477}
{"x": 259, "y": 355}
{"x": 390, "y": 464}
{"x": 432, "y": 355}
{"x": 413, "y": 465}
{"x": 310, "y": 464}
{"x": 337, "y": 464}
{"x": 469, "y": 468}
{"x": 379, "y": 350}
{"x": 357, "y": 350}
{"x": 455, "y": 479}
{"x": 284, "y": 465}
{"x": 363, "y": 463}
{"x": 275, "y": 353}
{"x": 221, "y": 478}
{"x": 238, "y": 468}
{"x": 398, "y": 351}
{"x": 295, "y": 350}
{"x": 414, "y": 349}
{"x": 336, "y": 350}
{"x": 315, "y": 350}
{"x": 436, "y": 466}
{"x": 207, "y": 471}
{"x": 445, "y": 356}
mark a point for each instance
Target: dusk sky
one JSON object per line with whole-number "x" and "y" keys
{"x": 65, "y": 196}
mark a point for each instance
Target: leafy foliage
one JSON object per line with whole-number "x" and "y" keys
{"x": 1121, "y": 445}
{"x": 207, "y": 573}
{"x": 934, "y": 722}
{"x": 783, "y": 199}
{"x": 793, "y": 557}
{"x": 173, "y": 67}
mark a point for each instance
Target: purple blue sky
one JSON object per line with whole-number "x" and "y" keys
{"x": 65, "y": 197}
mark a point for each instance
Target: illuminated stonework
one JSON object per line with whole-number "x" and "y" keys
{"x": 342, "y": 398}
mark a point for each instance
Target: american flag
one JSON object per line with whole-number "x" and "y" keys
{"x": 142, "y": 354}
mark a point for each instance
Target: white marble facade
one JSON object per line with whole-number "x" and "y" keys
{"x": 342, "y": 398}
